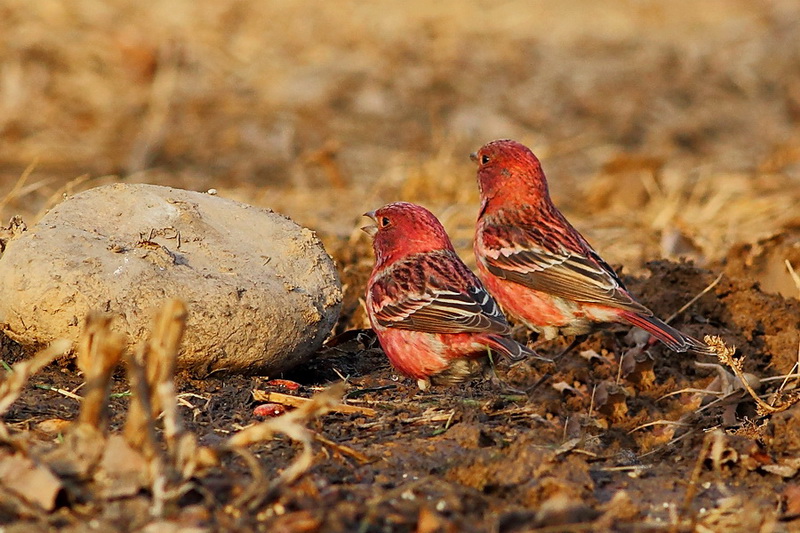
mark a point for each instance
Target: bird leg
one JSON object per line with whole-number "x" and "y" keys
{"x": 577, "y": 340}
{"x": 505, "y": 388}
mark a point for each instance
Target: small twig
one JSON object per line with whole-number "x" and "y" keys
{"x": 258, "y": 481}
{"x": 628, "y": 468}
{"x": 667, "y": 445}
{"x": 660, "y": 423}
{"x": 793, "y": 273}
{"x": 352, "y": 394}
{"x": 57, "y": 196}
{"x": 779, "y": 392}
{"x": 566, "y": 528}
{"x": 698, "y": 467}
{"x": 341, "y": 448}
{"x": 341, "y": 376}
{"x": 776, "y": 378}
{"x": 693, "y": 300}
{"x": 19, "y": 184}
{"x": 699, "y": 391}
{"x": 299, "y": 401}
{"x": 449, "y": 420}
{"x": 62, "y": 392}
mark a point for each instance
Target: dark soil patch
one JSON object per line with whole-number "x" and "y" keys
{"x": 572, "y": 451}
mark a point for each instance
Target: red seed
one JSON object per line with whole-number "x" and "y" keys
{"x": 284, "y": 383}
{"x": 269, "y": 409}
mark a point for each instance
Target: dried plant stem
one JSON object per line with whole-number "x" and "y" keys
{"x": 58, "y": 195}
{"x": 725, "y": 356}
{"x": 793, "y": 273}
{"x": 151, "y": 373}
{"x": 164, "y": 347}
{"x": 298, "y": 401}
{"x": 99, "y": 352}
{"x": 293, "y": 425}
{"x": 698, "y": 467}
{"x": 14, "y": 192}
{"x": 140, "y": 425}
{"x": 341, "y": 448}
{"x": 691, "y": 302}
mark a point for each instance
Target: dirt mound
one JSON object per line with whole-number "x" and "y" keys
{"x": 763, "y": 326}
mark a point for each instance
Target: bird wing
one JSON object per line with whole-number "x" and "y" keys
{"x": 435, "y": 294}
{"x": 540, "y": 261}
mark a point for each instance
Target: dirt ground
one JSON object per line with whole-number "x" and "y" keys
{"x": 670, "y": 135}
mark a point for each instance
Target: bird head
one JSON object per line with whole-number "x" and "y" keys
{"x": 508, "y": 171}
{"x": 402, "y": 229}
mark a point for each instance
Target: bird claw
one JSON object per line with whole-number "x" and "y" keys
{"x": 504, "y": 387}
{"x": 576, "y": 341}
{"x": 536, "y": 385}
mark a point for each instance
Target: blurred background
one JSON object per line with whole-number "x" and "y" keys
{"x": 667, "y": 129}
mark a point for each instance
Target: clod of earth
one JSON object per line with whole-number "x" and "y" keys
{"x": 262, "y": 293}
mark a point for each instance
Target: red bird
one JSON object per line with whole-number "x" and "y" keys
{"x": 433, "y": 318}
{"x": 538, "y": 267}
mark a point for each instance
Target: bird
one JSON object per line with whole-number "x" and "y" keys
{"x": 433, "y": 318}
{"x": 538, "y": 267}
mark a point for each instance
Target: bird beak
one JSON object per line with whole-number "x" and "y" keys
{"x": 474, "y": 156}
{"x": 370, "y": 230}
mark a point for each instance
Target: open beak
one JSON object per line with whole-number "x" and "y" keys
{"x": 474, "y": 156}
{"x": 370, "y": 230}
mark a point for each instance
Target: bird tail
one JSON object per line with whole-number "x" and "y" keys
{"x": 674, "y": 339}
{"x": 512, "y": 349}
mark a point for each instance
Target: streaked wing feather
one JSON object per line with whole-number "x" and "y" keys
{"x": 438, "y": 306}
{"x": 565, "y": 275}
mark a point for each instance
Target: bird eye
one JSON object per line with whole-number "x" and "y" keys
{"x": 384, "y": 221}
{"x": 484, "y": 159}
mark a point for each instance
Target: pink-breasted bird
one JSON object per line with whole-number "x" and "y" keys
{"x": 538, "y": 267}
{"x": 433, "y": 318}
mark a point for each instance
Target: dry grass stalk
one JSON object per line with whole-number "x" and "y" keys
{"x": 160, "y": 100}
{"x": 696, "y": 297}
{"x": 99, "y": 353}
{"x": 164, "y": 346}
{"x": 15, "y": 190}
{"x": 298, "y": 401}
{"x": 11, "y": 388}
{"x": 726, "y": 357}
{"x": 151, "y": 372}
{"x": 140, "y": 424}
{"x": 65, "y": 190}
{"x": 691, "y": 490}
{"x": 291, "y": 424}
{"x": 345, "y": 450}
{"x": 794, "y": 274}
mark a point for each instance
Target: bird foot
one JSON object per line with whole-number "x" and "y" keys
{"x": 576, "y": 341}
{"x": 503, "y": 386}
